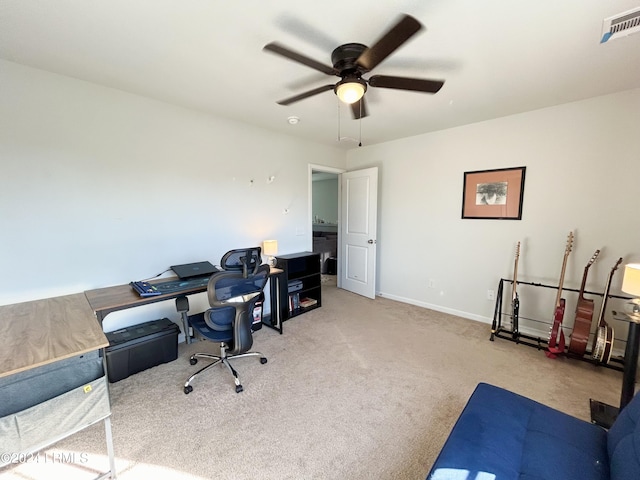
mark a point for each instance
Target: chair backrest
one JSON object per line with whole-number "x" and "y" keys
{"x": 246, "y": 260}
{"x": 232, "y": 296}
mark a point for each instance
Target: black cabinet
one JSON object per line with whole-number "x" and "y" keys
{"x": 301, "y": 290}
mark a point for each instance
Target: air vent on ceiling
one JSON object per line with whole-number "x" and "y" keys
{"x": 621, "y": 25}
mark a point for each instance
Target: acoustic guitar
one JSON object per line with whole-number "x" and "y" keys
{"x": 603, "y": 340}
{"x": 515, "y": 301}
{"x": 584, "y": 316}
{"x": 556, "y": 342}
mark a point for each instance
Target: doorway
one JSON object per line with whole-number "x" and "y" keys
{"x": 325, "y": 219}
{"x": 355, "y": 228}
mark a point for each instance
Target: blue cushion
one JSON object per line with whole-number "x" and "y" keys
{"x": 222, "y": 318}
{"x": 501, "y": 435}
{"x": 624, "y": 443}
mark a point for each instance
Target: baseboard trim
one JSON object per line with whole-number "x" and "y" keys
{"x": 478, "y": 318}
{"x": 437, "y": 308}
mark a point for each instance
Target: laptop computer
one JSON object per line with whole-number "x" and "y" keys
{"x": 190, "y": 270}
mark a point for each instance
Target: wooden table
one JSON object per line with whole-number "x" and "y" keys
{"x": 44, "y": 331}
{"x": 40, "y": 332}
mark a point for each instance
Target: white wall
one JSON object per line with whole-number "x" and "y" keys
{"x": 583, "y": 174}
{"x": 325, "y": 200}
{"x": 100, "y": 187}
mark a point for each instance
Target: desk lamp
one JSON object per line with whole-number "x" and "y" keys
{"x": 270, "y": 248}
{"x": 631, "y": 285}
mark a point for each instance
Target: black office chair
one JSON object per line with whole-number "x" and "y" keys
{"x": 232, "y": 296}
{"x": 245, "y": 260}
{"x": 233, "y": 260}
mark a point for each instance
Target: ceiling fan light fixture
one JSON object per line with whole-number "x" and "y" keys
{"x": 350, "y": 90}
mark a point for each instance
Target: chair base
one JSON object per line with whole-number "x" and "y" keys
{"x": 223, "y": 358}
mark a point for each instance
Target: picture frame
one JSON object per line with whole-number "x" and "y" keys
{"x": 493, "y": 194}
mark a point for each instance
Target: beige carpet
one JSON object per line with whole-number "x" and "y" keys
{"x": 357, "y": 389}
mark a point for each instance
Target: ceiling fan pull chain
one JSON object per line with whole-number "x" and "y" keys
{"x": 360, "y": 122}
{"x": 338, "y": 110}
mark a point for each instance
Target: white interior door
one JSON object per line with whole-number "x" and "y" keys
{"x": 358, "y": 226}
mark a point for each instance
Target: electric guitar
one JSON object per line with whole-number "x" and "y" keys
{"x": 584, "y": 316}
{"x": 515, "y": 301}
{"x": 603, "y": 340}
{"x": 556, "y": 337}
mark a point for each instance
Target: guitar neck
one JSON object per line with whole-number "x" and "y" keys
{"x": 561, "y": 282}
{"x": 515, "y": 273}
{"x": 603, "y": 307}
{"x": 584, "y": 280}
{"x": 605, "y": 297}
{"x": 586, "y": 272}
{"x": 567, "y": 251}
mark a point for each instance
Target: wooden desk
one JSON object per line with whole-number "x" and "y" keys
{"x": 274, "y": 319}
{"x": 44, "y": 331}
{"x": 40, "y": 332}
{"x": 103, "y": 301}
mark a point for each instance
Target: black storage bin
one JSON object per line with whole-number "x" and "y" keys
{"x": 332, "y": 266}
{"x": 136, "y": 348}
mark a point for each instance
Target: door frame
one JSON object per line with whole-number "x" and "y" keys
{"x": 324, "y": 169}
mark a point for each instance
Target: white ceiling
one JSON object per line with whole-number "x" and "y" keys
{"x": 498, "y": 57}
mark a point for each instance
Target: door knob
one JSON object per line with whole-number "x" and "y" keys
{"x": 371, "y": 241}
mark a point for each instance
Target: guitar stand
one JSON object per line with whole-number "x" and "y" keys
{"x": 601, "y": 413}
{"x": 497, "y": 330}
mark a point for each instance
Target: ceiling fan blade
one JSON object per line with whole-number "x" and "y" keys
{"x": 302, "y": 96}
{"x": 298, "y": 57}
{"x": 359, "y": 109}
{"x": 305, "y": 30}
{"x": 402, "y": 31}
{"x": 403, "y": 83}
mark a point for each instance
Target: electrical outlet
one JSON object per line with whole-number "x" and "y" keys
{"x": 490, "y": 294}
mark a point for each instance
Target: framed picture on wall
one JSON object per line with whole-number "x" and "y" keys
{"x": 493, "y": 194}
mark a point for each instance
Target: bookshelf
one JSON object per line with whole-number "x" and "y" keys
{"x": 302, "y": 281}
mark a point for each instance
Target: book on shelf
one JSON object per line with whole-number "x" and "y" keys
{"x": 294, "y": 301}
{"x": 307, "y": 302}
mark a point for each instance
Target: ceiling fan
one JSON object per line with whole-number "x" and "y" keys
{"x": 352, "y": 60}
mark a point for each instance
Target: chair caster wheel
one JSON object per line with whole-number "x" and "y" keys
{"x": 193, "y": 361}
{"x": 188, "y": 389}
{"x": 238, "y": 388}
{"x": 263, "y": 360}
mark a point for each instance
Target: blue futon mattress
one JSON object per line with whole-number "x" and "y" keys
{"x": 501, "y": 435}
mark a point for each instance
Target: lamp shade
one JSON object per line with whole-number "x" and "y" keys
{"x": 270, "y": 247}
{"x": 631, "y": 280}
{"x": 350, "y": 92}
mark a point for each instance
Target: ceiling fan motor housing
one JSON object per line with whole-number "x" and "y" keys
{"x": 344, "y": 59}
